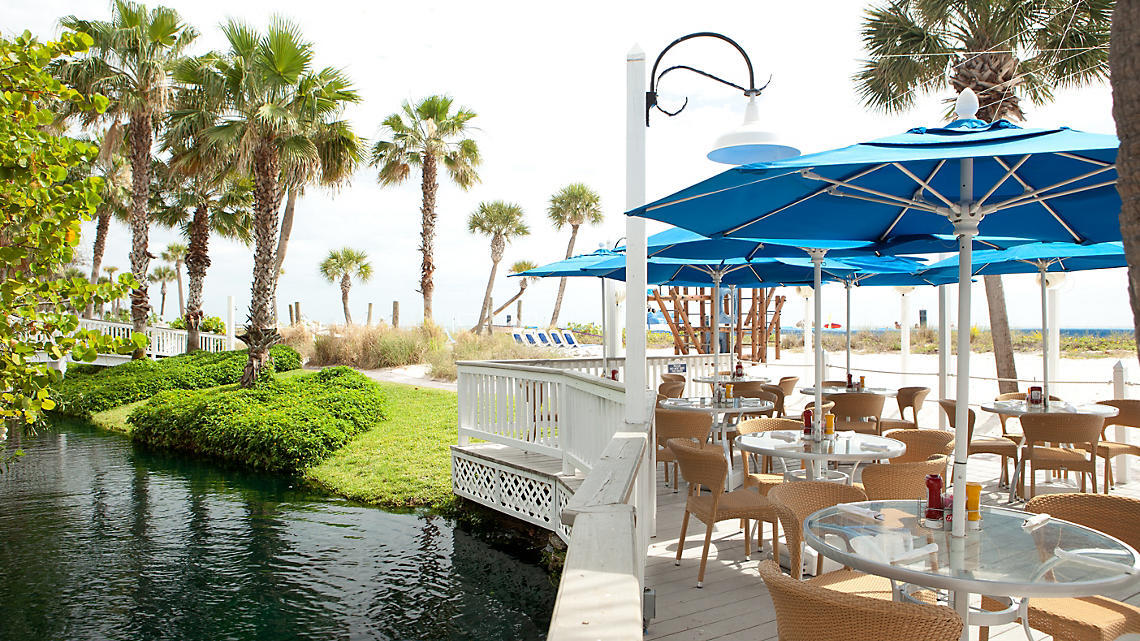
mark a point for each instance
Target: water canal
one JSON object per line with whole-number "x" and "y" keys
{"x": 102, "y": 540}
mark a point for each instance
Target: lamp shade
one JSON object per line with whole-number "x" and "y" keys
{"x": 749, "y": 142}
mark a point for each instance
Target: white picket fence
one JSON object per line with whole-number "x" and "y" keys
{"x": 692, "y": 366}
{"x": 163, "y": 341}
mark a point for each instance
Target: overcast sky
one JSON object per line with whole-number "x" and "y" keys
{"x": 548, "y": 83}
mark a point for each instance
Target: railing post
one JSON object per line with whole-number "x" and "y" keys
{"x": 466, "y": 397}
{"x": 567, "y": 414}
{"x": 230, "y": 322}
{"x": 1120, "y": 462}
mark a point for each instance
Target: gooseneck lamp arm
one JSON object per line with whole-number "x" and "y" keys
{"x": 655, "y": 78}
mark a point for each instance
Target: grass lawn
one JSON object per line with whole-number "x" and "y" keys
{"x": 404, "y": 461}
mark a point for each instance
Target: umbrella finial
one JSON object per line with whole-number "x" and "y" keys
{"x": 966, "y": 107}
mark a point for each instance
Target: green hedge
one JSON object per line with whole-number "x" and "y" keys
{"x": 283, "y": 425}
{"x": 84, "y": 392}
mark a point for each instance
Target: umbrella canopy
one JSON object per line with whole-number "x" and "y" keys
{"x": 761, "y": 272}
{"x": 968, "y": 178}
{"x": 571, "y": 266}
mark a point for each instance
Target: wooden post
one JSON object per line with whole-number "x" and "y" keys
{"x": 369, "y": 321}
{"x": 395, "y": 313}
{"x": 292, "y": 322}
{"x": 297, "y": 312}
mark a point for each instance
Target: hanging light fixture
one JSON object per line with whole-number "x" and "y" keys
{"x": 750, "y": 142}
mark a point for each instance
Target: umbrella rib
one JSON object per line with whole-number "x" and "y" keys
{"x": 822, "y": 190}
{"x": 1009, "y": 171}
{"x": 1036, "y": 193}
{"x": 925, "y": 183}
{"x": 1091, "y": 161}
{"x": 1046, "y": 206}
{"x": 712, "y": 193}
{"x": 891, "y": 198}
{"x": 917, "y": 193}
{"x": 882, "y": 201}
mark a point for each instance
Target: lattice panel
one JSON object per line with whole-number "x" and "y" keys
{"x": 474, "y": 480}
{"x": 528, "y": 497}
{"x": 562, "y": 496}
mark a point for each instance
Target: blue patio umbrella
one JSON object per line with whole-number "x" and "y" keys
{"x": 1036, "y": 258}
{"x": 968, "y": 178}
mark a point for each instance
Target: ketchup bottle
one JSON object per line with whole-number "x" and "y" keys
{"x": 850, "y": 383}
{"x": 739, "y": 370}
{"x": 934, "y": 497}
{"x": 807, "y": 421}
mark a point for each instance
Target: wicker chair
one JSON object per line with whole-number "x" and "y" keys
{"x": 806, "y": 612}
{"x": 907, "y": 397}
{"x": 1093, "y": 618}
{"x": 670, "y": 424}
{"x": 672, "y": 389}
{"x": 921, "y": 444}
{"x": 827, "y": 406}
{"x": 762, "y": 479}
{"x": 1002, "y": 418}
{"x": 834, "y": 384}
{"x": 859, "y": 411}
{"x": 1005, "y": 447}
{"x": 705, "y": 465}
{"x": 1082, "y": 431}
{"x": 778, "y": 392}
{"x": 788, "y": 384}
{"x": 1129, "y": 416}
{"x": 672, "y": 378}
{"x": 793, "y": 503}
{"x": 888, "y": 481}
{"x": 753, "y": 391}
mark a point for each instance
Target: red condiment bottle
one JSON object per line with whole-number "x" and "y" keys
{"x": 934, "y": 497}
{"x": 850, "y": 383}
{"x": 807, "y": 422}
{"x": 739, "y": 370}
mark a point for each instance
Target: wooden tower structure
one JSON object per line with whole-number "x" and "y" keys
{"x": 687, "y": 311}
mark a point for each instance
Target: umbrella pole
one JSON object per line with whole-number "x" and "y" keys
{"x": 817, "y": 283}
{"x": 1041, "y": 266}
{"x": 605, "y": 338}
{"x": 965, "y": 228}
{"x": 715, "y": 322}
{"x": 847, "y": 285}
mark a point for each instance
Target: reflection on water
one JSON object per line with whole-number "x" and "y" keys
{"x": 100, "y": 540}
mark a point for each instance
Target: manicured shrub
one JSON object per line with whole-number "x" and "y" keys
{"x": 84, "y": 392}
{"x": 285, "y": 425}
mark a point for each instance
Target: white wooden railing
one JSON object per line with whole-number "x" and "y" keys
{"x": 163, "y": 341}
{"x": 692, "y": 365}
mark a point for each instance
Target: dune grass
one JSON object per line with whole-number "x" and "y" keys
{"x": 403, "y": 461}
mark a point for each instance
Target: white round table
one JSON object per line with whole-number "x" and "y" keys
{"x": 835, "y": 391}
{"x": 733, "y": 407}
{"x": 727, "y": 380}
{"x": 1002, "y": 558}
{"x": 843, "y": 447}
{"x": 1021, "y": 408}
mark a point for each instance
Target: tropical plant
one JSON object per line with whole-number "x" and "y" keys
{"x": 43, "y": 207}
{"x": 115, "y": 171}
{"x": 518, "y": 267}
{"x": 431, "y": 134}
{"x": 162, "y": 274}
{"x": 342, "y": 265}
{"x": 130, "y": 63}
{"x": 257, "y": 102}
{"x": 110, "y": 271}
{"x": 574, "y": 205}
{"x": 1003, "y": 50}
{"x": 503, "y": 222}
{"x": 1125, "y": 61}
{"x": 175, "y": 254}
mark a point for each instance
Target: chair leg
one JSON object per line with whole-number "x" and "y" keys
{"x": 1032, "y": 481}
{"x": 666, "y": 473}
{"x": 681, "y": 540}
{"x": 1107, "y": 474}
{"x": 705, "y": 554}
{"x": 776, "y": 540}
{"x": 748, "y": 541}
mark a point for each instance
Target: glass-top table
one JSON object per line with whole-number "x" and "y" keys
{"x": 726, "y": 380}
{"x": 833, "y": 391}
{"x": 842, "y": 447}
{"x": 1021, "y": 408}
{"x": 1002, "y": 558}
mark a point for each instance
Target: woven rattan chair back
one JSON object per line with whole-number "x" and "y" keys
{"x": 794, "y": 502}
{"x": 857, "y": 405}
{"x": 1114, "y": 515}
{"x": 672, "y": 389}
{"x": 1129, "y": 415}
{"x": 778, "y": 392}
{"x": 1013, "y": 396}
{"x": 806, "y": 612}
{"x": 1062, "y": 428}
{"x": 890, "y": 481}
{"x": 827, "y": 406}
{"x": 912, "y": 397}
{"x": 672, "y": 378}
{"x": 788, "y": 384}
{"x": 950, "y": 406}
{"x": 701, "y": 465}
{"x": 835, "y": 384}
{"x": 757, "y": 425}
{"x": 921, "y": 444}
{"x": 669, "y": 424}
{"x": 745, "y": 388}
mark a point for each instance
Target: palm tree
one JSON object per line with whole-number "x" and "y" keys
{"x": 175, "y": 253}
{"x": 257, "y": 101}
{"x": 162, "y": 274}
{"x": 1005, "y": 51}
{"x": 431, "y": 134}
{"x": 130, "y": 63}
{"x": 503, "y": 222}
{"x": 1125, "y": 59}
{"x": 110, "y": 271}
{"x": 113, "y": 168}
{"x": 574, "y": 205}
{"x": 342, "y": 265}
{"x": 518, "y": 267}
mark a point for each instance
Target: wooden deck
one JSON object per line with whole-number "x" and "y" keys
{"x": 734, "y": 604}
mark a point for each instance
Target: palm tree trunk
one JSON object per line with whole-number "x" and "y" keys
{"x": 283, "y": 240}
{"x": 345, "y": 285}
{"x": 181, "y": 299}
{"x": 427, "y": 234}
{"x": 142, "y": 137}
{"x": 518, "y": 313}
{"x": 999, "y": 330}
{"x": 197, "y": 260}
{"x": 498, "y": 245}
{"x": 260, "y": 334}
{"x": 162, "y": 305}
{"x": 517, "y": 295}
{"x": 562, "y": 281}
{"x": 1124, "y": 64}
{"x": 101, "y": 228}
